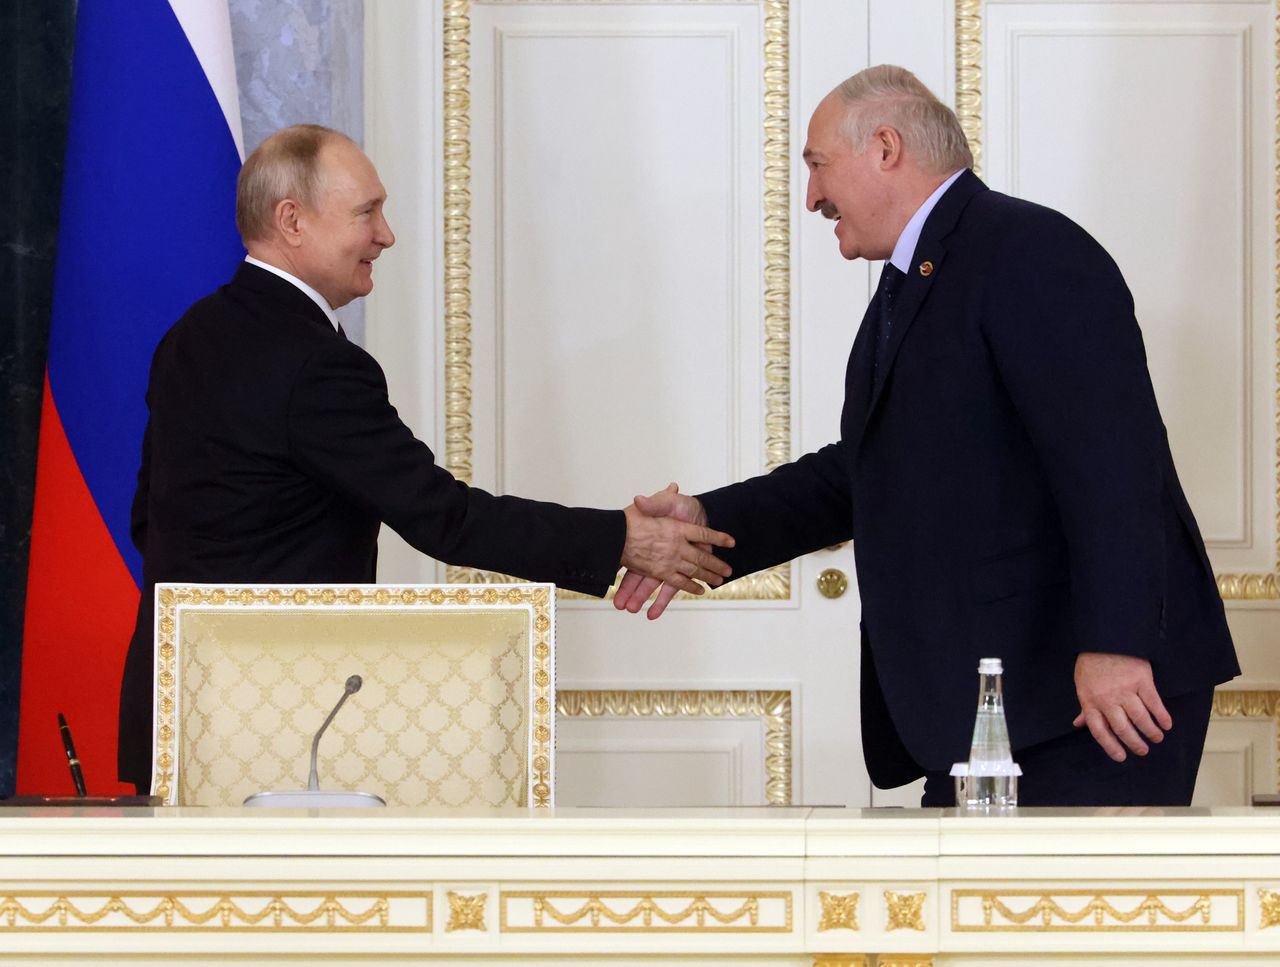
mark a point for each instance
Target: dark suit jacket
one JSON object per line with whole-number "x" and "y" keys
{"x": 1008, "y": 488}
{"x": 272, "y": 455}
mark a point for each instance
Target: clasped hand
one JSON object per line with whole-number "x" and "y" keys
{"x": 670, "y": 549}
{"x": 640, "y": 582}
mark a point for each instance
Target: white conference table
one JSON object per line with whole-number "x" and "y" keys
{"x": 776, "y": 886}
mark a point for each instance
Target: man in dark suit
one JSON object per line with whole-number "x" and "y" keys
{"x": 1004, "y": 474}
{"x": 273, "y": 455}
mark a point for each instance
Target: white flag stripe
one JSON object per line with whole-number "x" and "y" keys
{"x": 207, "y": 24}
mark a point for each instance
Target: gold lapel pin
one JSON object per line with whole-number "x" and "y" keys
{"x": 926, "y": 269}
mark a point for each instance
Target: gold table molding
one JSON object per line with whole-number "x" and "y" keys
{"x": 760, "y": 885}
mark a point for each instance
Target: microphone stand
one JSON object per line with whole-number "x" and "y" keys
{"x": 313, "y": 796}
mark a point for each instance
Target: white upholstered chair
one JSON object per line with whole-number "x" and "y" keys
{"x": 456, "y": 707}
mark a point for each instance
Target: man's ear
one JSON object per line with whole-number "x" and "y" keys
{"x": 889, "y": 143}
{"x": 287, "y": 218}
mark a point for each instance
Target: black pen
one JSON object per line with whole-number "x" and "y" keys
{"x": 77, "y": 776}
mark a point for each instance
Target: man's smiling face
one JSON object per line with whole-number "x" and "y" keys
{"x": 847, "y": 184}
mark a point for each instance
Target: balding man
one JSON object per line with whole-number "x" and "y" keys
{"x": 273, "y": 455}
{"x": 1004, "y": 474}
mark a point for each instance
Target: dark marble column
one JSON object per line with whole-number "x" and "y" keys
{"x": 35, "y": 63}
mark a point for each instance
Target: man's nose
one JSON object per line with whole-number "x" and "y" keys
{"x": 384, "y": 236}
{"x": 813, "y": 197}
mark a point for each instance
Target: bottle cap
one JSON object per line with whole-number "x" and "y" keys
{"x": 990, "y": 666}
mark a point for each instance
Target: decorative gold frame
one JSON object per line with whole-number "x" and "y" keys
{"x": 773, "y": 584}
{"x": 773, "y": 707}
{"x": 644, "y": 915}
{"x": 1098, "y": 914}
{"x": 83, "y": 911}
{"x": 172, "y": 599}
{"x": 968, "y": 30}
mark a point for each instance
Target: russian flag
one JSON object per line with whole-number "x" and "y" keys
{"x": 147, "y": 227}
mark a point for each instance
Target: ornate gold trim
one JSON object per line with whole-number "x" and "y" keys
{"x": 457, "y": 242}
{"x": 651, "y": 916}
{"x": 841, "y": 960}
{"x": 969, "y": 75}
{"x": 1045, "y": 913}
{"x": 224, "y": 912}
{"x": 773, "y": 584}
{"x": 1229, "y": 703}
{"x": 466, "y": 912}
{"x": 172, "y": 599}
{"x": 1268, "y": 909}
{"x": 839, "y": 911}
{"x": 904, "y": 911}
{"x": 773, "y": 707}
{"x": 904, "y": 960}
{"x": 968, "y": 27}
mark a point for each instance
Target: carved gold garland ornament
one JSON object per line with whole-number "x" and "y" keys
{"x": 1101, "y": 910}
{"x": 618, "y": 911}
{"x": 904, "y": 911}
{"x": 466, "y": 912}
{"x": 1268, "y": 909}
{"x": 968, "y": 29}
{"x": 775, "y": 583}
{"x": 839, "y": 911}
{"x": 773, "y": 707}
{"x": 85, "y": 910}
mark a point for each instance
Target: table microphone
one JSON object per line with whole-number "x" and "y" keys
{"x": 313, "y": 796}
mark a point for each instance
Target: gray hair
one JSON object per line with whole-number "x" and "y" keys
{"x": 894, "y": 97}
{"x": 285, "y": 165}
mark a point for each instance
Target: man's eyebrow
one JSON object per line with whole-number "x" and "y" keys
{"x": 808, "y": 154}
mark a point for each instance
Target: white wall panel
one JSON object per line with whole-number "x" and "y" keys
{"x": 618, "y": 223}
{"x": 1239, "y": 761}
{"x": 659, "y": 762}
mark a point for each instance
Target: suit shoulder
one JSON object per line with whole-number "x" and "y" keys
{"x": 1020, "y": 232}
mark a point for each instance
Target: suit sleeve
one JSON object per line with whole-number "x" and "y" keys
{"x": 798, "y": 508}
{"x": 344, "y": 431}
{"x": 1060, "y": 325}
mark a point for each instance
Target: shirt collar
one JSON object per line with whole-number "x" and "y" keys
{"x": 309, "y": 292}
{"x": 905, "y": 250}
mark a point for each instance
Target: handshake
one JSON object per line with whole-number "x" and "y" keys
{"x": 669, "y": 547}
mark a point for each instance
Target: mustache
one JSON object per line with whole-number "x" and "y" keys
{"x": 828, "y": 210}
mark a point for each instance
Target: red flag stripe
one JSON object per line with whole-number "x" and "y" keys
{"x": 81, "y": 605}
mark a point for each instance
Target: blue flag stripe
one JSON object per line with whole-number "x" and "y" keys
{"x": 146, "y": 228}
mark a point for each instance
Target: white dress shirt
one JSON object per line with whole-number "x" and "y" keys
{"x": 905, "y": 250}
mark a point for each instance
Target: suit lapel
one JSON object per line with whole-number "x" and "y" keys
{"x": 925, "y": 266}
{"x": 857, "y": 382}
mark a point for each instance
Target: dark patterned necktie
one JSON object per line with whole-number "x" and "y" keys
{"x": 890, "y": 285}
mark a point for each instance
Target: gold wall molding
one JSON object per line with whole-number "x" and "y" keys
{"x": 903, "y": 960}
{"x": 773, "y": 584}
{"x": 313, "y": 912}
{"x": 969, "y": 64}
{"x": 1230, "y": 703}
{"x": 841, "y": 960}
{"x": 904, "y": 911}
{"x": 466, "y": 911}
{"x": 618, "y": 911}
{"x": 1268, "y": 909}
{"x": 772, "y": 707}
{"x": 537, "y": 598}
{"x": 1094, "y": 910}
{"x": 969, "y": 75}
{"x": 839, "y": 911}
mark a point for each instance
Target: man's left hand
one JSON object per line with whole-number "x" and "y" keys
{"x": 1119, "y": 702}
